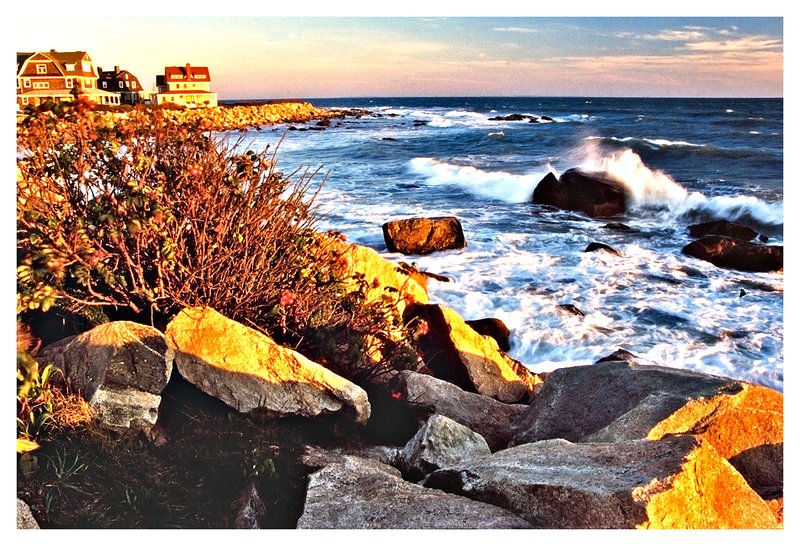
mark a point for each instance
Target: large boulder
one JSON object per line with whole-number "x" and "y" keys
{"x": 121, "y": 368}
{"x": 440, "y": 442}
{"x": 455, "y": 352}
{"x": 361, "y": 494}
{"x": 25, "y": 519}
{"x": 486, "y": 416}
{"x": 594, "y": 194}
{"x": 678, "y": 482}
{"x": 423, "y": 235}
{"x": 736, "y": 254}
{"x": 620, "y": 400}
{"x": 251, "y": 373}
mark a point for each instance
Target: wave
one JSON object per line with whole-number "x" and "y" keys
{"x": 500, "y": 185}
{"x": 653, "y": 189}
{"x": 655, "y": 143}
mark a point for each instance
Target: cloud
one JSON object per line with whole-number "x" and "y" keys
{"x": 526, "y": 30}
{"x": 678, "y": 35}
{"x": 740, "y": 45}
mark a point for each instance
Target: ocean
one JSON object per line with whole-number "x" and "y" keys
{"x": 684, "y": 161}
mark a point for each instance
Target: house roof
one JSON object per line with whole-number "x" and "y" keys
{"x": 67, "y": 62}
{"x": 187, "y": 73}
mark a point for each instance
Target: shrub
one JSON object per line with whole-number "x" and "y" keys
{"x": 138, "y": 216}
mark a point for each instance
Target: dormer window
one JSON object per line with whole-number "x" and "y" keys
{"x": 41, "y": 69}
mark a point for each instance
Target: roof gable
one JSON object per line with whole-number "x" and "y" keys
{"x": 187, "y": 73}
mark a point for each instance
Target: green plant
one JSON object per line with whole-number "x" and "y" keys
{"x": 36, "y": 399}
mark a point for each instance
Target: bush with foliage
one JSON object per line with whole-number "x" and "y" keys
{"x": 133, "y": 216}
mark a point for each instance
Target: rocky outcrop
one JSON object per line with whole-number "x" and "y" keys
{"x": 725, "y": 228}
{"x": 25, "y": 519}
{"x": 620, "y": 400}
{"x": 251, "y": 373}
{"x": 423, "y": 235}
{"x": 121, "y": 368}
{"x": 440, "y": 442}
{"x": 736, "y": 254}
{"x": 594, "y": 194}
{"x": 361, "y": 494}
{"x": 494, "y": 328}
{"x": 678, "y": 482}
{"x": 486, "y": 416}
{"x": 226, "y": 118}
{"x": 455, "y": 352}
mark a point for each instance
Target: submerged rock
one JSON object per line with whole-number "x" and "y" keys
{"x": 251, "y": 373}
{"x": 423, "y": 235}
{"x": 724, "y": 228}
{"x": 595, "y": 247}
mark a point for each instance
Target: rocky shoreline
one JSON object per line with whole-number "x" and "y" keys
{"x": 619, "y": 444}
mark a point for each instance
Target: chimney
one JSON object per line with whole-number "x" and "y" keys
{"x": 188, "y": 74}
{"x": 99, "y": 71}
{"x": 116, "y": 70}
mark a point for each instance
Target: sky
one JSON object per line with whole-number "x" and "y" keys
{"x": 252, "y": 54}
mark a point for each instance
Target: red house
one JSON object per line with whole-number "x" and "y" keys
{"x": 188, "y": 86}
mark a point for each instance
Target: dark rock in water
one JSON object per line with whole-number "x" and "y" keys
{"x": 736, "y": 254}
{"x": 593, "y": 247}
{"x": 324, "y": 123}
{"x": 725, "y": 228}
{"x": 513, "y": 117}
{"x": 419, "y": 122}
{"x": 423, "y": 235}
{"x": 590, "y": 193}
{"x": 389, "y": 139}
{"x": 494, "y": 328}
{"x": 546, "y": 118}
{"x": 436, "y": 276}
{"x": 571, "y": 309}
{"x": 619, "y": 226}
{"x": 742, "y": 293}
{"x": 619, "y": 354}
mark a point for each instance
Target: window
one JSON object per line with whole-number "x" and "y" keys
{"x": 121, "y": 84}
{"x": 24, "y": 100}
{"x": 41, "y": 85}
{"x": 133, "y": 85}
{"x": 26, "y": 82}
{"x": 41, "y": 69}
{"x": 69, "y": 83}
{"x": 199, "y": 76}
{"x": 103, "y": 84}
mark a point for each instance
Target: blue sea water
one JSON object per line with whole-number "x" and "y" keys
{"x": 683, "y": 160}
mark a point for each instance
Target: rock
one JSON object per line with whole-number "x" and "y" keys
{"x": 25, "y": 519}
{"x": 619, "y": 400}
{"x": 736, "y": 254}
{"x": 440, "y": 442}
{"x": 361, "y": 494}
{"x": 251, "y": 508}
{"x": 251, "y": 373}
{"x": 602, "y": 247}
{"x": 316, "y": 457}
{"x": 121, "y": 368}
{"x": 494, "y": 328}
{"x": 423, "y": 235}
{"x": 724, "y": 228}
{"x": 678, "y": 482}
{"x": 617, "y": 226}
{"x": 455, "y": 352}
{"x": 515, "y": 117}
{"x": 570, "y": 309}
{"x": 591, "y": 193}
{"x": 486, "y": 416}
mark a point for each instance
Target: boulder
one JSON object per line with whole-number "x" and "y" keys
{"x": 594, "y": 194}
{"x": 455, "y": 352}
{"x": 494, "y": 328}
{"x": 251, "y": 373}
{"x": 25, "y": 519}
{"x": 736, "y": 254}
{"x": 619, "y": 400}
{"x": 251, "y": 508}
{"x": 601, "y": 247}
{"x": 486, "y": 416}
{"x": 678, "y": 482}
{"x": 725, "y": 228}
{"x": 440, "y": 442}
{"x": 423, "y": 235}
{"x": 121, "y": 368}
{"x": 361, "y": 494}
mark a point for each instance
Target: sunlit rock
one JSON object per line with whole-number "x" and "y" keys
{"x": 679, "y": 482}
{"x": 618, "y": 400}
{"x": 494, "y": 328}
{"x": 423, "y": 235}
{"x": 251, "y": 373}
{"x": 455, "y": 352}
{"x": 594, "y": 194}
{"x": 121, "y": 368}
